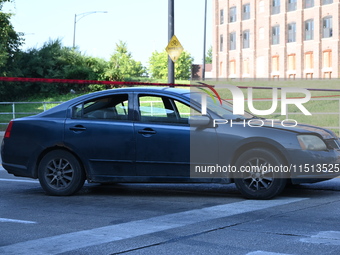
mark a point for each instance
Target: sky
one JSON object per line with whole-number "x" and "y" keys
{"x": 142, "y": 24}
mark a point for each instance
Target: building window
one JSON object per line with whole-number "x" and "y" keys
{"x": 232, "y": 14}
{"x": 221, "y": 43}
{"x": 261, "y": 6}
{"x": 276, "y": 35}
{"x": 309, "y": 59}
{"x": 291, "y": 62}
{"x": 275, "y": 6}
{"x": 291, "y": 66}
{"x": 291, "y": 5}
{"x": 309, "y": 64}
{"x": 275, "y": 63}
{"x": 292, "y": 32}
{"x": 327, "y": 63}
{"x": 327, "y": 2}
{"x": 232, "y": 41}
{"x": 309, "y": 29}
{"x": 246, "y": 41}
{"x": 246, "y": 12}
{"x": 275, "y": 67}
{"x": 327, "y": 27}
{"x": 309, "y": 3}
{"x": 246, "y": 67}
{"x": 261, "y": 33}
{"x": 327, "y": 59}
{"x": 221, "y": 17}
{"x": 232, "y": 67}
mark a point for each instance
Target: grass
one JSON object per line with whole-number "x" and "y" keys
{"x": 320, "y": 106}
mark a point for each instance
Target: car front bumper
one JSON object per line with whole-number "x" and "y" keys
{"x": 313, "y": 166}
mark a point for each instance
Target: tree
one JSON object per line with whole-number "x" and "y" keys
{"x": 122, "y": 66}
{"x": 10, "y": 41}
{"x": 158, "y": 65}
{"x": 208, "y": 58}
{"x": 53, "y": 60}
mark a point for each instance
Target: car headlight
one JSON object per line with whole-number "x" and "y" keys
{"x": 312, "y": 143}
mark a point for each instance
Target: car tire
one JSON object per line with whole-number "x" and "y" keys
{"x": 258, "y": 182}
{"x": 60, "y": 173}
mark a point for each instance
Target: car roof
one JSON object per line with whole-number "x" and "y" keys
{"x": 154, "y": 88}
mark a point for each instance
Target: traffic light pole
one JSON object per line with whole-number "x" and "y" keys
{"x": 171, "y": 32}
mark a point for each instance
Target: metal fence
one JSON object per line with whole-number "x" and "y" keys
{"x": 15, "y": 113}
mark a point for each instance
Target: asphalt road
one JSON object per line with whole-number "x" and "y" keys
{"x": 167, "y": 219}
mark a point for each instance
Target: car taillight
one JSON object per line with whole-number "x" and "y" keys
{"x": 8, "y": 130}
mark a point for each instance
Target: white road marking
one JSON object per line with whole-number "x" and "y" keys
{"x": 97, "y": 236}
{"x": 18, "y": 180}
{"x": 266, "y": 253}
{"x": 324, "y": 237}
{"x": 17, "y": 221}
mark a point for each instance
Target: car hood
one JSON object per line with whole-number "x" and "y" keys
{"x": 300, "y": 128}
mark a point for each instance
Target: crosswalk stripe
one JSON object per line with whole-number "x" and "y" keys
{"x": 324, "y": 237}
{"x": 16, "y": 221}
{"x": 266, "y": 253}
{"x": 18, "y": 180}
{"x": 97, "y": 236}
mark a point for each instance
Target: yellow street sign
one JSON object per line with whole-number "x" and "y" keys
{"x": 174, "y": 48}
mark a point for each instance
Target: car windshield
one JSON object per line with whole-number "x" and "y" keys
{"x": 224, "y": 109}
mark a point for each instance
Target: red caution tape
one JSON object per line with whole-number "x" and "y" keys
{"x": 47, "y": 80}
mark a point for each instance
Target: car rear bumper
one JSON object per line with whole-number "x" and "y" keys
{"x": 17, "y": 170}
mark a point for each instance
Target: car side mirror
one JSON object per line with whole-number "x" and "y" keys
{"x": 199, "y": 121}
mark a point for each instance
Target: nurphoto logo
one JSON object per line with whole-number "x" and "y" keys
{"x": 239, "y": 102}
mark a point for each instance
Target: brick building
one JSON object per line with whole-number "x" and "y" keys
{"x": 276, "y": 38}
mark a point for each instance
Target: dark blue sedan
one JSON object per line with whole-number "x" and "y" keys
{"x": 160, "y": 135}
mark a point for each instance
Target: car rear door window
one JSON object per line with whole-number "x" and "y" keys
{"x": 113, "y": 107}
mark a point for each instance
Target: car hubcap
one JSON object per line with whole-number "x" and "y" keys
{"x": 256, "y": 177}
{"x": 59, "y": 173}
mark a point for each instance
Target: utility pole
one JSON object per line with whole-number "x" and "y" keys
{"x": 204, "y": 39}
{"x": 171, "y": 32}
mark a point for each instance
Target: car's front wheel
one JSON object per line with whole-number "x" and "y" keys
{"x": 60, "y": 173}
{"x": 260, "y": 174}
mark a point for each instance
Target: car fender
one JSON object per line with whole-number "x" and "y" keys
{"x": 259, "y": 142}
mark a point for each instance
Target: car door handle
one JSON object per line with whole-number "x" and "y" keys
{"x": 147, "y": 131}
{"x": 78, "y": 128}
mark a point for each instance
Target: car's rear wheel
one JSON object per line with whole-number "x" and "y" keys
{"x": 260, "y": 174}
{"x": 60, "y": 173}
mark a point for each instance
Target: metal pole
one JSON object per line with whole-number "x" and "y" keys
{"x": 204, "y": 39}
{"x": 171, "y": 32}
{"x": 13, "y": 110}
{"x": 74, "y": 30}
